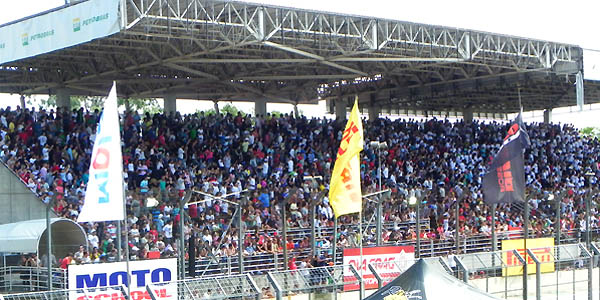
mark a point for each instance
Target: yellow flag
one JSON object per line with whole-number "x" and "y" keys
{"x": 345, "y": 194}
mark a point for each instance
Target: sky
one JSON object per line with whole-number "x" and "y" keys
{"x": 574, "y": 22}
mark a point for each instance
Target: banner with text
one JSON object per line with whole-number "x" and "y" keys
{"x": 543, "y": 248}
{"x": 389, "y": 262}
{"x": 59, "y": 29}
{"x": 143, "y": 272}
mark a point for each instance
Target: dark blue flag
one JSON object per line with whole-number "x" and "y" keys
{"x": 504, "y": 181}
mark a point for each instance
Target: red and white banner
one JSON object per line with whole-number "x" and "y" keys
{"x": 388, "y": 261}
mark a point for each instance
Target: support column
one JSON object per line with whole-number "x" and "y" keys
{"x": 548, "y": 116}
{"x": 468, "y": 115}
{"x": 374, "y": 112}
{"x": 374, "y": 109}
{"x": 127, "y": 105}
{"x": 260, "y": 107}
{"x": 22, "y": 98}
{"x": 340, "y": 109}
{"x": 63, "y": 99}
{"x": 296, "y": 112}
{"x": 170, "y": 103}
{"x": 216, "y": 106}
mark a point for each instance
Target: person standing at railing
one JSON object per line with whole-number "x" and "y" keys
{"x": 44, "y": 261}
{"x": 29, "y": 274}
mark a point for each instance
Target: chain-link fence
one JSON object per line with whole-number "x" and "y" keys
{"x": 498, "y": 273}
{"x": 554, "y": 272}
{"x": 211, "y": 288}
{"x": 321, "y": 280}
{"x": 561, "y": 270}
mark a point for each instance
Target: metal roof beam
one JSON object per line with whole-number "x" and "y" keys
{"x": 314, "y": 56}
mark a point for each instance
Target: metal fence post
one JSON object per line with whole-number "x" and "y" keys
{"x": 538, "y": 275}
{"x": 379, "y": 279}
{"x": 418, "y": 229}
{"x": 254, "y": 286}
{"x": 361, "y": 289}
{"x": 445, "y": 265}
{"x": 596, "y": 254}
{"x": 278, "y": 290}
{"x": 334, "y": 250}
{"x": 523, "y": 262}
{"x": 460, "y": 265}
{"x": 590, "y": 269}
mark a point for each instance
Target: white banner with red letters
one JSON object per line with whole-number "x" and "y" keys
{"x": 388, "y": 261}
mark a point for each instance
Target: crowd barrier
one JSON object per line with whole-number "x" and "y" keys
{"x": 551, "y": 272}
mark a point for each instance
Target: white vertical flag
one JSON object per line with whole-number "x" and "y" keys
{"x": 104, "y": 193}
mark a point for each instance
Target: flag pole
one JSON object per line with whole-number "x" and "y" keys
{"x": 525, "y": 216}
{"x": 360, "y": 236}
{"x": 125, "y": 222}
{"x": 126, "y": 243}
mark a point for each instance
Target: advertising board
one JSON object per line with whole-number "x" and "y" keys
{"x": 389, "y": 262}
{"x": 543, "y": 248}
{"x": 62, "y": 28}
{"x": 143, "y": 272}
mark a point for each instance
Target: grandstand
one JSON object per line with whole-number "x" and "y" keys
{"x": 233, "y": 51}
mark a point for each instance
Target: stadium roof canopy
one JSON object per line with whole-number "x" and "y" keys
{"x": 224, "y": 50}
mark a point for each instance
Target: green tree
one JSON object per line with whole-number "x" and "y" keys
{"x": 143, "y": 105}
{"x": 231, "y": 109}
{"x": 92, "y": 103}
{"x": 88, "y": 103}
{"x": 227, "y": 109}
{"x": 208, "y": 112}
{"x": 48, "y": 103}
{"x": 591, "y": 132}
{"x": 276, "y": 114}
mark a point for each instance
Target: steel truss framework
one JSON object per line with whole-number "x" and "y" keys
{"x": 216, "y": 50}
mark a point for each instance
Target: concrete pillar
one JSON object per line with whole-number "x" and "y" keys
{"x": 296, "y": 112}
{"x": 216, "y": 106}
{"x": 22, "y": 98}
{"x": 170, "y": 103}
{"x": 548, "y": 116}
{"x": 468, "y": 115}
{"x": 374, "y": 112}
{"x": 374, "y": 109}
{"x": 127, "y": 105}
{"x": 63, "y": 99}
{"x": 340, "y": 108}
{"x": 260, "y": 107}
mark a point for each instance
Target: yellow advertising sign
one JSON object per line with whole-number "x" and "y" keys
{"x": 543, "y": 248}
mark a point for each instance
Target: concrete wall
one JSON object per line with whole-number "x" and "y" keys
{"x": 17, "y": 202}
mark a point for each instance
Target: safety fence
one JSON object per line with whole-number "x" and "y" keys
{"x": 568, "y": 271}
{"x": 30, "y": 279}
{"x": 225, "y": 287}
{"x": 260, "y": 263}
{"x": 320, "y": 280}
{"x": 110, "y": 292}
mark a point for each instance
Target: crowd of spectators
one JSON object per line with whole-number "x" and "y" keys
{"x": 239, "y": 157}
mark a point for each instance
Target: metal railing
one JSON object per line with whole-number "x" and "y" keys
{"x": 260, "y": 263}
{"x": 110, "y": 292}
{"x": 14, "y": 279}
{"x": 328, "y": 280}
{"x": 553, "y": 272}
{"x": 224, "y": 287}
